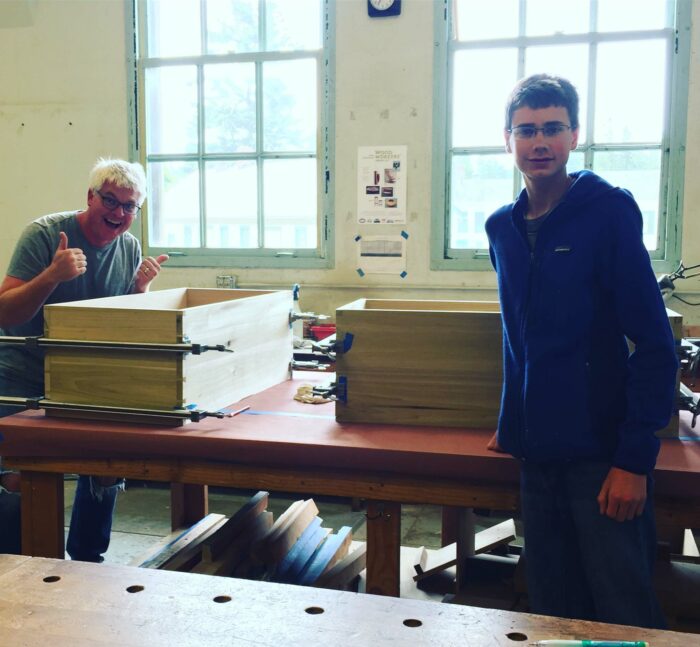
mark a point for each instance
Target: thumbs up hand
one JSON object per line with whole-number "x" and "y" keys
{"x": 148, "y": 270}
{"x": 68, "y": 262}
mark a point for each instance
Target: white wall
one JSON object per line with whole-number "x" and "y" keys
{"x": 63, "y": 102}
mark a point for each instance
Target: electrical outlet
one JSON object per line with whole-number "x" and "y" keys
{"x": 227, "y": 281}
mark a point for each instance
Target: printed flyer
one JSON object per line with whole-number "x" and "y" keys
{"x": 381, "y": 185}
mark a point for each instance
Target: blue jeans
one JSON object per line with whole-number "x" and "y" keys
{"x": 10, "y": 534}
{"x": 579, "y": 563}
{"x": 91, "y": 520}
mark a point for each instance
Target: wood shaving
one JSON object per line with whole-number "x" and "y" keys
{"x": 306, "y": 395}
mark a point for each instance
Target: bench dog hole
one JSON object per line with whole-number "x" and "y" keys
{"x": 412, "y": 622}
{"x": 516, "y": 635}
{"x": 222, "y": 598}
{"x": 314, "y": 611}
{"x": 134, "y": 588}
{"x": 51, "y": 578}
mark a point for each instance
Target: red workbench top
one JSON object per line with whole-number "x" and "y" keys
{"x": 277, "y": 430}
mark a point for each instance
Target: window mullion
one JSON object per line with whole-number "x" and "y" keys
{"x": 259, "y": 116}
{"x": 204, "y": 32}
{"x": 200, "y": 157}
{"x": 259, "y": 152}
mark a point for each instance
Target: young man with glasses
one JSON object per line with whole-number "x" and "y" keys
{"x": 579, "y": 409}
{"x": 63, "y": 257}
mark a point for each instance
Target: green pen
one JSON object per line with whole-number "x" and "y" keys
{"x": 590, "y": 643}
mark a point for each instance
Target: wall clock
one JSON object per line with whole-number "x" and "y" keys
{"x": 383, "y": 8}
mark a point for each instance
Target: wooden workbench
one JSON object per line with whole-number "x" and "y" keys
{"x": 282, "y": 445}
{"x": 61, "y": 603}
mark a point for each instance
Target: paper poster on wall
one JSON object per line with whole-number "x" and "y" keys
{"x": 381, "y": 254}
{"x": 381, "y": 185}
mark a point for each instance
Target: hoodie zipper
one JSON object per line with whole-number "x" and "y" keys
{"x": 522, "y": 422}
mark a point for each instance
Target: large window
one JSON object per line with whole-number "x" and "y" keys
{"x": 234, "y": 127}
{"x": 628, "y": 60}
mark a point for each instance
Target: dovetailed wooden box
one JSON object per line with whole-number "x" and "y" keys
{"x": 254, "y": 324}
{"x": 421, "y": 362}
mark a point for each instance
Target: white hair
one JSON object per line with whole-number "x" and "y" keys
{"x": 127, "y": 175}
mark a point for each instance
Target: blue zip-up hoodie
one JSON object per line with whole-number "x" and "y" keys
{"x": 572, "y": 390}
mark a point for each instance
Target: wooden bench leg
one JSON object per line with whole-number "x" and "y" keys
{"x": 466, "y": 532}
{"x": 450, "y": 523}
{"x": 188, "y": 504}
{"x": 383, "y": 548}
{"x": 42, "y": 514}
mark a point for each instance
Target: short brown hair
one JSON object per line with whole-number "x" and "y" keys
{"x": 542, "y": 91}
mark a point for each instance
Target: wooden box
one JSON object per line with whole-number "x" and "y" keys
{"x": 671, "y": 430}
{"x": 420, "y": 363}
{"x": 428, "y": 363}
{"x": 254, "y": 324}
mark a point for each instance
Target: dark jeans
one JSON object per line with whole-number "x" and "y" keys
{"x": 579, "y": 563}
{"x": 10, "y": 535}
{"x": 91, "y": 520}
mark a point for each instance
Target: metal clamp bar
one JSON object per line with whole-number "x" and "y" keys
{"x": 689, "y": 401}
{"x": 306, "y": 316}
{"x": 195, "y": 415}
{"x": 337, "y": 390}
{"x": 35, "y": 342}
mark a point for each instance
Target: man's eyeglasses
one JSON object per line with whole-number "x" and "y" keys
{"x": 129, "y": 208}
{"x": 548, "y": 130}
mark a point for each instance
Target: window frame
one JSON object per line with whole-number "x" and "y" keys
{"x": 322, "y": 256}
{"x": 667, "y": 256}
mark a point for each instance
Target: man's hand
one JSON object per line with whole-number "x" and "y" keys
{"x": 10, "y": 481}
{"x": 148, "y": 270}
{"x": 623, "y": 494}
{"x": 68, "y": 262}
{"x": 493, "y": 444}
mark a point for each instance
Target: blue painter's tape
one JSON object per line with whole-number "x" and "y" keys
{"x": 342, "y": 389}
{"x": 360, "y": 272}
{"x": 357, "y": 237}
{"x": 403, "y": 274}
{"x": 404, "y": 234}
{"x": 191, "y": 406}
{"x": 347, "y": 341}
{"x": 287, "y": 414}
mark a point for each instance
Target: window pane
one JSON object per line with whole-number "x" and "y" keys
{"x": 480, "y": 184}
{"x": 293, "y": 25}
{"x": 289, "y": 105}
{"x": 173, "y": 204}
{"x": 632, "y": 111}
{"x": 629, "y": 15}
{"x": 173, "y": 28}
{"x": 576, "y": 162}
{"x": 482, "y": 81}
{"x": 569, "y": 61}
{"x": 171, "y": 110}
{"x": 232, "y": 204}
{"x": 639, "y": 172}
{"x": 232, "y": 26}
{"x": 546, "y": 17}
{"x": 229, "y": 108}
{"x": 290, "y": 203}
{"x": 482, "y": 20}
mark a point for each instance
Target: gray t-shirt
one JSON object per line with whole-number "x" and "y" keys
{"x": 110, "y": 272}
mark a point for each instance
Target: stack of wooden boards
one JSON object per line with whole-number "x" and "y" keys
{"x": 294, "y": 548}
